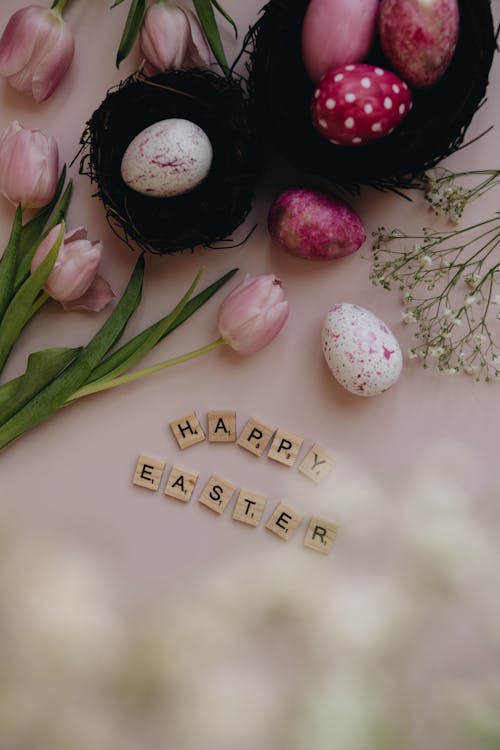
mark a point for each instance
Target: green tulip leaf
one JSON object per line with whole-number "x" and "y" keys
{"x": 205, "y": 11}
{"x": 42, "y": 368}
{"x": 9, "y": 261}
{"x": 226, "y": 15}
{"x": 132, "y": 27}
{"x": 59, "y": 390}
{"x": 112, "y": 365}
{"x": 19, "y": 310}
{"x": 31, "y": 239}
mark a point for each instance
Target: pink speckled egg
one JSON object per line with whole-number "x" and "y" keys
{"x": 314, "y": 225}
{"x": 360, "y": 350}
{"x": 419, "y": 38}
{"x": 357, "y": 104}
{"x": 337, "y": 32}
{"x": 168, "y": 158}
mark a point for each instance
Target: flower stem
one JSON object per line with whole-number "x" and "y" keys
{"x": 58, "y": 6}
{"x": 104, "y": 385}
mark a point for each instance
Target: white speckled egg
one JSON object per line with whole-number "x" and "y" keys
{"x": 168, "y": 158}
{"x": 360, "y": 350}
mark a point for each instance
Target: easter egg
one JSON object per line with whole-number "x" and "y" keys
{"x": 360, "y": 350}
{"x": 168, "y": 158}
{"x": 357, "y": 104}
{"x": 314, "y": 225}
{"x": 419, "y": 38}
{"x": 336, "y": 32}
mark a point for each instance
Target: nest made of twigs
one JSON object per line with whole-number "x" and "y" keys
{"x": 435, "y": 128}
{"x": 214, "y": 209}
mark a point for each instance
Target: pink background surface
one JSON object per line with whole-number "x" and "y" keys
{"x": 73, "y": 473}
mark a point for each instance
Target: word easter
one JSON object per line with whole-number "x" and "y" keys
{"x": 255, "y": 438}
{"x": 248, "y": 508}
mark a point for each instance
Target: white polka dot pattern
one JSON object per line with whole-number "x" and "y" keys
{"x": 359, "y": 104}
{"x": 360, "y": 350}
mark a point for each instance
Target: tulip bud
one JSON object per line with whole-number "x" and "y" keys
{"x": 29, "y": 166}
{"x": 36, "y": 50}
{"x": 73, "y": 280}
{"x": 253, "y": 314}
{"x": 171, "y": 38}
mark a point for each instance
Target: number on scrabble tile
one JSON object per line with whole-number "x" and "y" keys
{"x": 255, "y": 437}
{"x": 285, "y": 448}
{"x": 221, "y": 426}
{"x": 317, "y": 464}
{"x": 180, "y": 484}
{"x": 320, "y": 535}
{"x": 187, "y": 430}
{"x": 217, "y": 493}
{"x": 148, "y": 472}
{"x": 284, "y": 522}
{"x": 249, "y": 507}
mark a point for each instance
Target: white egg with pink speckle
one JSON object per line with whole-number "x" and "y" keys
{"x": 360, "y": 350}
{"x": 168, "y": 158}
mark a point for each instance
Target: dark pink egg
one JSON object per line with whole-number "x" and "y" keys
{"x": 358, "y": 104}
{"x": 419, "y": 38}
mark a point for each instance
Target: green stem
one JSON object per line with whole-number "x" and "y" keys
{"x": 58, "y": 6}
{"x": 131, "y": 377}
{"x": 41, "y": 300}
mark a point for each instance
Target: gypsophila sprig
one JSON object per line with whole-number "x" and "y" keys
{"x": 449, "y": 282}
{"x": 447, "y": 198}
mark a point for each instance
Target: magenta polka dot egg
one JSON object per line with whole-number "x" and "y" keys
{"x": 360, "y": 350}
{"x": 358, "y": 104}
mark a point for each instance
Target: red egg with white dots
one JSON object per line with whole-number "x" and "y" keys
{"x": 357, "y": 104}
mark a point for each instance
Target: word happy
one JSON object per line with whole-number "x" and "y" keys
{"x": 249, "y": 506}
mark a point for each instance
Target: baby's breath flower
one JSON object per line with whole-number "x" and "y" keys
{"x": 455, "y": 330}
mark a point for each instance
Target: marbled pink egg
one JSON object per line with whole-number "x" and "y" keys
{"x": 314, "y": 225}
{"x": 419, "y": 37}
{"x": 360, "y": 350}
{"x": 357, "y": 104}
{"x": 337, "y": 32}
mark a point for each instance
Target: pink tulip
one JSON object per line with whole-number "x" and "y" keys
{"x": 253, "y": 313}
{"x": 73, "y": 280}
{"x": 29, "y": 166}
{"x": 171, "y": 38}
{"x": 36, "y": 50}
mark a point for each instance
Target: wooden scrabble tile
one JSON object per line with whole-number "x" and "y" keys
{"x": 284, "y": 521}
{"x": 148, "y": 472}
{"x": 320, "y": 535}
{"x": 221, "y": 426}
{"x": 285, "y": 447}
{"x": 317, "y": 464}
{"x": 249, "y": 507}
{"x": 217, "y": 493}
{"x": 180, "y": 484}
{"x": 187, "y": 430}
{"x": 255, "y": 437}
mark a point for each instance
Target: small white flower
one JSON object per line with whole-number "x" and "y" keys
{"x": 411, "y": 354}
{"x": 479, "y": 338}
{"x": 470, "y": 300}
{"x": 425, "y": 261}
{"x": 451, "y": 371}
{"x": 435, "y": 351}
{"x": 448, "y": 313}
{"x": 408, "y": 317}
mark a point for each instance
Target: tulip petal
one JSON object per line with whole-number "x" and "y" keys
{"x": 18, "y": 40}
{"x": 98, "y": 295}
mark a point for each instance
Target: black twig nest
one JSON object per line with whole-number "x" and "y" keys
{"x": 434, "y": 129}
{"x": 213, "y": 210}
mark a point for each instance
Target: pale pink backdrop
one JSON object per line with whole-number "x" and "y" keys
{"x": 73, "y": 473}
